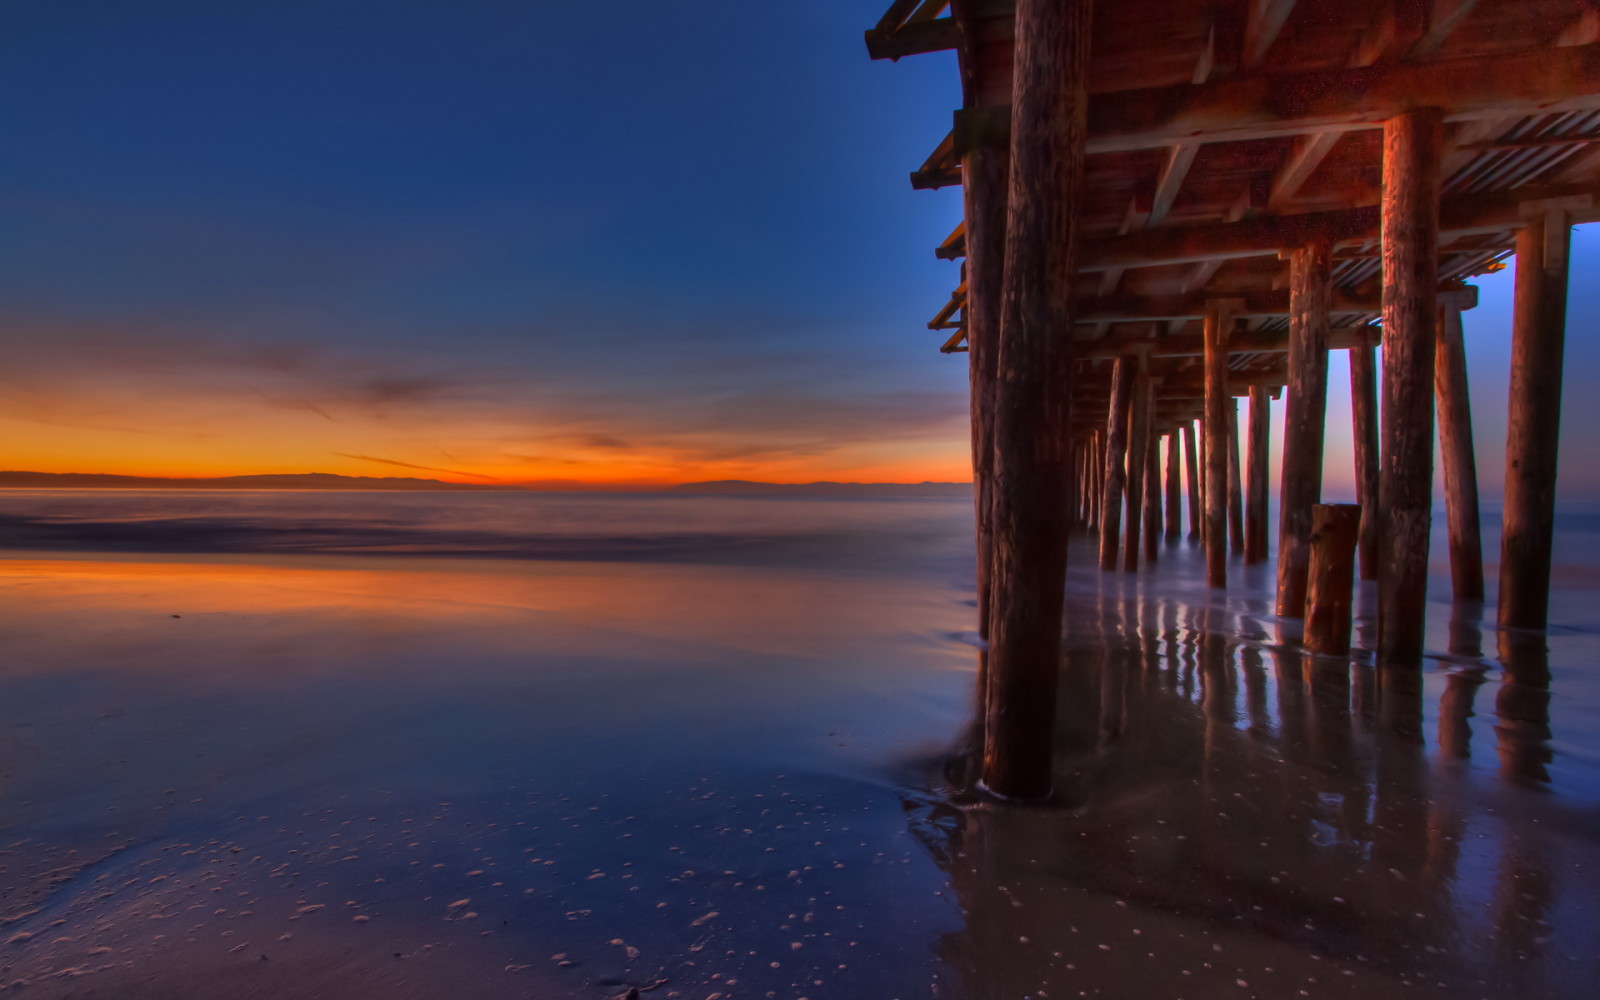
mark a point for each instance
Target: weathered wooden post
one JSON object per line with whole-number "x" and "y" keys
{"x": 1411, "y": 149}
{"x": 1033, "y": 393}
{"x": 1304, "y": 413}
{"x": 984, "y": 178}
{"x": 1139, "y": 418}
{"x": 1455, "y": 447}
{"x": 1235, "y": 484}
{"x": 1152, "y": 491}
{"x": 1255, "y": 509}
{"x": 1191, "y": 467}
{"x": 1538, "y": 342}
{"x": 1174, "y": 489}
{"x": 1116, "y": 469}
{"x": 1331, "y": 577}
{"x": 1218, "y": 327}
{"x": 1364, "y": 428}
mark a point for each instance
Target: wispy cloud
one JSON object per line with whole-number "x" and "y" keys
{"x": 424, "y": 468}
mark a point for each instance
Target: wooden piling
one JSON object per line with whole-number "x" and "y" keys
{"x": 1138, "y": 461}
{"x": 1033, "y": 393}
{"x": 1335, "y": 528}
{"x": 1218, "y": 325}
{"x": 1114, "y": 482}
{"x": 1152, "y": 493}
{"x": 1455, "y": 452}
{"x": 1255, "y": 508}
{"x": 985, "y": 171}
{"x": 1305, "y": 411}
{"x": 1364, "y": 429}
{"x": 1538, "y": 340}
{"x": 1174, "y": 489}
{"x": 1412, "y": 143}
{"x": 1191, "y": 463}
{"x": 1236, "y": 541}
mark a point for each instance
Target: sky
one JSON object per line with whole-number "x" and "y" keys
{"x": 614, "y": 244}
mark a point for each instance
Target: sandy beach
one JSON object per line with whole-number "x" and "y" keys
{"x": 729, "y": 764}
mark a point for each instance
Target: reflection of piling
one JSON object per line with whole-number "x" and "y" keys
{"x": 1334, "y": 530}
{"x": 1522, "y": 708}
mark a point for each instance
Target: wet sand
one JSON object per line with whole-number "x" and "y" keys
{"x": 327, "y": 775}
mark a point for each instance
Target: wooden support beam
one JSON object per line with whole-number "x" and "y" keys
{"x": 1364, "y": 431}
{"x": 1264, "y": 23}
{"x": 1412, "y": 145}
{"x": 1127, "y": 308}
{"x": 1269, "y": 235}
{"x": 1534, "y": 426}
{"x": 1235, "y": 482}
{"x": 1334, "y": 527}
{"x": 1444, "y": 17}
{"x": 1265, "y": 105}
{"x": 1138, "y": 460}
{"x": 984, "y": 198}
{"x": 913, "y": 39}
{"x": 1218, "y": 325}
{"x": 1152, "y": 488}
{"x": 1033, "y": 394}
{"x": 1115, "y": 480}
{"x": 1179, "y": 159}
{"x": 1304, "y": 417}
{"x": 1256, "y": 488}
{"x": 1309, "y": 152}
{"x": 1191, "y": 467}
{"x": 1174, "y": 488}
{"x": 1455, "y": 454}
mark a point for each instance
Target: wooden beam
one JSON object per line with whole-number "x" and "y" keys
{"x": 1138, "y": 460}
{"x": 1444, "y": 17}
{"x": 1174, "y": 510}
{"x": 1235, "y": 481}
{"x": 1179, "y": 159}
{"x": 1134, "y": 308}
{"x": 1033, "y": 395}
{"x": 1334, "y": 528}
{"x": 1152, "y": 486}
{"x": 1532, "y": 432}
{"x": 1191, "y": 468}
{"x": 1412, "y": 145}
{"x": 1192, "y": 345}
{"x": 913, "y": 39}
{"x": 984, "y": 198}
{"x": 1265, "y": 22}
{"x": 1309, "y": 152}
{"x": 1268, "y": 235}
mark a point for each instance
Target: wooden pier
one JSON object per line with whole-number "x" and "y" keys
{"x": 1170, "y": 204}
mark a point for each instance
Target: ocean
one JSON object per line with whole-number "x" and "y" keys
{"x": 305, "y": 744}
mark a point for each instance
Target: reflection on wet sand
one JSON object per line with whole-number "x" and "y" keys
{"x": 1221, "y": 840}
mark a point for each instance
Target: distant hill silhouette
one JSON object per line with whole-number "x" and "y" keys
{"x": 745, "y": 486}
{"x": 294, "y": 481}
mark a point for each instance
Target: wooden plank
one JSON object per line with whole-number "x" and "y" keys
{"x": 1190, "y": 345}
{"x": 1304, "y": 416}
{"x": 1179, "y": 159}
{"x": 1455, "y": 454}
{"x": 1033, "y": 394}
{"x": 1537, "y": 346}
{"x": 1412, "y": 145}
{"x": 1444, "y": 17}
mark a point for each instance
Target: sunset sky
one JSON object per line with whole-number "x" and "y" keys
{"x": 614, "y": 243}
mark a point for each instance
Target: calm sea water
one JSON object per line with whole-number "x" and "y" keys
{"x": 313, "y": 744}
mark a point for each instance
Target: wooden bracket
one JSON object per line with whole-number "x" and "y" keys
{"x": 981, "y": 128}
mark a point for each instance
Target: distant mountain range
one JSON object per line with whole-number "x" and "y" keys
{"x": 328, "y": 481}
{"x": 294, "y": 481}
{"x": 743, "y": 486}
